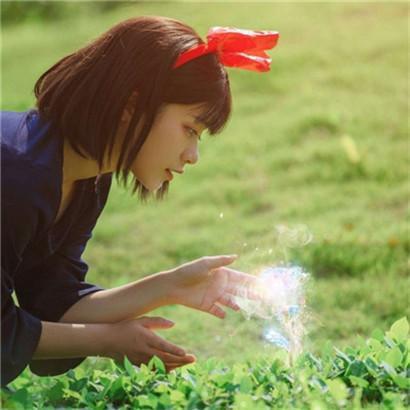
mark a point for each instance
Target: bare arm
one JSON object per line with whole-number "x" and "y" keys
{"x": 123, "y": 302}
{"x": 131, "y": 338}
{"x": 63, "y": 341}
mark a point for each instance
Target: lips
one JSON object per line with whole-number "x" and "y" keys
{"x": 169, "y": 172}
{"x": 170, "y": 176}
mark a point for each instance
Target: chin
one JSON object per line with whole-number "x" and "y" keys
{"x": 163, "y": 186}
{"x": 154, "y": 186}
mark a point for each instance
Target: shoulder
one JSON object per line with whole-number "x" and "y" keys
{"x": 24, "y": 135}
{"x": 30, "y": 167}
{"x": 11, "y": 121}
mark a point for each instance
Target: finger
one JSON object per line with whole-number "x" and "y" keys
{"x": 213, "y": 262}
{"x": 245, "y": 292}
{"x": 156, "y": 342}
{"x": 242, "y": 284}
{"x": 137, "y": 359}
{"x": 217, "y": 311}
{"x": 156, "y": 322}
{"x": 238, "y": 277}
{"x": 173, "y": 365}
{"x": 227, "y": 300}
{"x": 170, "y": 358}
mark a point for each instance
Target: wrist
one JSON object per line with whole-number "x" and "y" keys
{"x": 168, "y": 287}
{"x": 105, "y": 340}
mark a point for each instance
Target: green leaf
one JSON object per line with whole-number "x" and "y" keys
{"x": 356, "y": 368}
{"x": 378, "y": 334}
{"x": 370, "y": 364}
{"x": 116, "y": 391}
{"x": 358, "y": 381}
{"x": 177, "y": 396}
{"x": 21, "y": 396}
{"x": 129, "y": 367}
{"x": 374, "y": 344}
{"x": 145, "y": 401}
{"x": 338, "y": 390}
{"x": 389, "y": 369}
{"x": 161, "y": 387}
{"x": 157, "y": 364}
{"x": 394, "y": 357}
{"x": 54, "y": 393}
{"x": 246, "y": 385}
{"x": 67, "y": 393}
{"x": 343, "y": 356}
{"x": 401, "y": 381}
{"x": 165, "y": 400}
{"x": 400, "y": 329}
{"x": 244, "y": 401}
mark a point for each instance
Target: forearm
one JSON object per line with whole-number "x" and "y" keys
{"x": 63, "y": 341}
{"x": 123, "y": 302}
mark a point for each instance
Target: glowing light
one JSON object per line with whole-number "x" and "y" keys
{"x": 277, "y": 296}
{"x": 274, "y": 337}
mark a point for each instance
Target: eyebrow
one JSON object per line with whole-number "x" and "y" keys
{"x": 198, "y": 121}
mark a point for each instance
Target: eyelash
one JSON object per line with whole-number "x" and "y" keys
{"x": 196, "y": 134}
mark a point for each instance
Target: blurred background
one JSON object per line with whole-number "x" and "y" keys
{"x": 321, "y": 140}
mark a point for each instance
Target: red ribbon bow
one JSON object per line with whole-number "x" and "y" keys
{"x": 235, "y": 48}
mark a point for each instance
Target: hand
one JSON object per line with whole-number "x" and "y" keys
{"x": 205, "y": 283}
{"x": 135, "y": 339}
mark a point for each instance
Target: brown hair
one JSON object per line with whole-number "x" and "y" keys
{"x": 84, "y": 95}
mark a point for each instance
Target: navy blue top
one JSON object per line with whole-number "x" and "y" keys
{"x": 40, "y": 260}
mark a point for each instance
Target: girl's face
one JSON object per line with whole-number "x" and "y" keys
{"x": 171, "y": 144}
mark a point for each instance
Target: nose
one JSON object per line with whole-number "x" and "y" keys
{"x": 191, "y": 155}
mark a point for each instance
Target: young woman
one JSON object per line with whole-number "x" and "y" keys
{"x": 134, "y": 103}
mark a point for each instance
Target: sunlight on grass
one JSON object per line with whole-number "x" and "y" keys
{"x": 339, "y": 69}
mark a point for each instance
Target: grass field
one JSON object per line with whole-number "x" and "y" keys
{"x": 339, "y": 70}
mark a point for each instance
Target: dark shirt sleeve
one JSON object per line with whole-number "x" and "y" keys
{"x": 20, "y": 331}
{"x": 52, "y": 287}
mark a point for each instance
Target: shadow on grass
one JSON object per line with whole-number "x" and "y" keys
{"x": 354, "y": 259}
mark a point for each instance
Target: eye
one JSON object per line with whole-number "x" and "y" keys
{"x": 193, "y": 133}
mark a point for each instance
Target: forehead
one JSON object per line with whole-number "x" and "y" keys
{"x": 195, "y": 111}
{"x": 190, "y": 112}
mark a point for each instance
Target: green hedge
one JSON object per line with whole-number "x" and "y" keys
{"x": 368, "y": 376}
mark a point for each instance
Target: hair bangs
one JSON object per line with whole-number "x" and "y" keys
{"x": 215, "y": 115}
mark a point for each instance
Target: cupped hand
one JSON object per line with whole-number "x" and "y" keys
{"x": 135, "y": 339}
{"x": 207, "y": 284}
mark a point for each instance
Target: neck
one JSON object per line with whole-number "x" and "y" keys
{"x": 76, "y": 167}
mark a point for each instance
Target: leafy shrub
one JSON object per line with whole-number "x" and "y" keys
{"x": 377, "y": 372}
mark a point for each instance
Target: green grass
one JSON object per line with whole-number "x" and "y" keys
{"x": 339, "y": 69}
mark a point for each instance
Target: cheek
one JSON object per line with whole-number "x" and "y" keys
{"x": 156, "y": 152}
{"x": 171, "y": 138}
